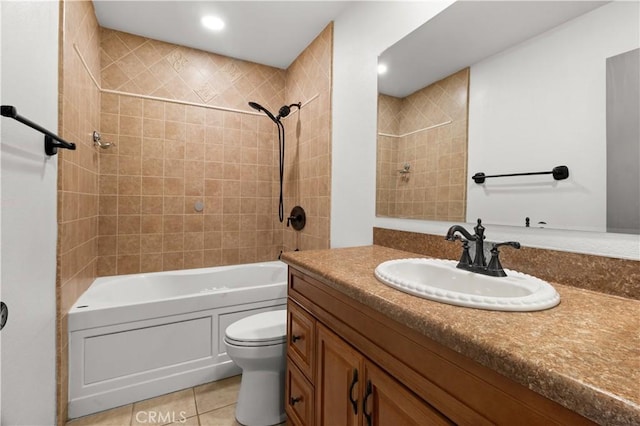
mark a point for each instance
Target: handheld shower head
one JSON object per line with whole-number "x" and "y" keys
{"x": 259, "y": 107}
{"x": 283, "y": 112}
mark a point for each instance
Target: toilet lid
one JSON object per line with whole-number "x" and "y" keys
{"x": 266, "y": 328}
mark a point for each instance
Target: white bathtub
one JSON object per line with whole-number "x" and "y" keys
{"x": 133, "y": 337}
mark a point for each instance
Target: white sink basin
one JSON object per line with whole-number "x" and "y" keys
{"x": 440, "y": 280}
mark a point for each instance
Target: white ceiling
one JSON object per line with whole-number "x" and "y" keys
{"x": 466, "y": 33}
{"x": 275, "y": 32}
{"x": 267, "y": 32}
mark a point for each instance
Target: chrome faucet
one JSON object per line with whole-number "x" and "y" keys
{"x": 479, "y": 263}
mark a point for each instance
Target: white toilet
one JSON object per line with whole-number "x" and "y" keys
{"x": 257, "y": 345}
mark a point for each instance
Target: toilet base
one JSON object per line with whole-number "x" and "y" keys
{"x": 261, "y": 398}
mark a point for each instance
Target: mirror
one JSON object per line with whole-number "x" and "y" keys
{"x": 540, "y": 77}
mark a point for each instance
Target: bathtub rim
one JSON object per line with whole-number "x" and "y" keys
{"x": 103, "y": 281}
{"x": 102, "y": 315}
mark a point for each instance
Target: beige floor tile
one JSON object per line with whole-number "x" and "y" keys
{"x": 191, "y": 421}
{"x": 120, "y": 416}
{"x": 225, "y": 416}
{"x": 218, "y": 394}
{"x": 171, "y": 407}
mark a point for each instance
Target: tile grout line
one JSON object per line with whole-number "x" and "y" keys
{"x": 195, "y": 403}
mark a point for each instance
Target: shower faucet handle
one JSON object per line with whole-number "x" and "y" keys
{"x": 292, "y": 219}
{"x": 297, "y": 219}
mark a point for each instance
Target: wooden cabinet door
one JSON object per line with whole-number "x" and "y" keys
{"x": 387, "y": 402}
{"x": 301, "y": 338}
{"x": 338, "y": 388}
{"x": 299, "y": 400}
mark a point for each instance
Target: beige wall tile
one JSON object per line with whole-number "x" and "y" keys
{"x": 128, "y": 225}
{"x": 151, "y": 224}
{"x": 151, "y": 205}
{"x": 172, "y": 261}
{"x": 151, "y": 243}
{"x": 151, "y": 262}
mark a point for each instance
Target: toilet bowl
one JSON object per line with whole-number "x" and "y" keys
{"x": 257, "y": 345}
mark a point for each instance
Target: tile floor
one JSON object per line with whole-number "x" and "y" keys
{"x": 211, "y": 404}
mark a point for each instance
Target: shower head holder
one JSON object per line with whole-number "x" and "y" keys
{"x": 284, "y": 111}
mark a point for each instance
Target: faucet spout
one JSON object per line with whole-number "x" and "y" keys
{"x": 457, "y": 228}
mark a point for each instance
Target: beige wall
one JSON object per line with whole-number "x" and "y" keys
{"x": 79, "y": 116}
{"x": 435, "y": 188}
{"x": 308, "y": 144}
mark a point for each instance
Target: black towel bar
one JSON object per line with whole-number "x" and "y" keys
{"x": 559, "y": 173}
{"x": 50, "y": 145}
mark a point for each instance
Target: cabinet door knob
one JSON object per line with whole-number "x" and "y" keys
{"x": 295, "y": 400}
{"x": 354, "y": 402}
{"x": 295, "y": 338}
{"x": 367, "y": 394}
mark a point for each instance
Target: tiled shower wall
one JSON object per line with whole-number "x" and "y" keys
{"x": 308, "y": 144}
{"x": 435, "y": 187}
{"x": 170, "y": 157}
{"x": 79, "y": 116}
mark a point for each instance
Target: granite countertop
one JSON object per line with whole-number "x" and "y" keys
{"x": 583, "y": 354}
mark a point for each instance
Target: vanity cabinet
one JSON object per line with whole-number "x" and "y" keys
{"x": 373, "y": 396}
{"x": 348, "y": 364}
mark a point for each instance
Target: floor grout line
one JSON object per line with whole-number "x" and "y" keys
{"x": 219, "y": 408}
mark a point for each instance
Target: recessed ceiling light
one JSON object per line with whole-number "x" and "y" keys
{"x": 212, "y": 22}
{"x": 382, "y": 68}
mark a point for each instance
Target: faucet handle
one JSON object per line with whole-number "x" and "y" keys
{"x": 495, "y": 267}
{"x": 465, "y": 259}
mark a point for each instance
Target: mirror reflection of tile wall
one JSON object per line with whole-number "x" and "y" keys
{"x": 426, "y": 131}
